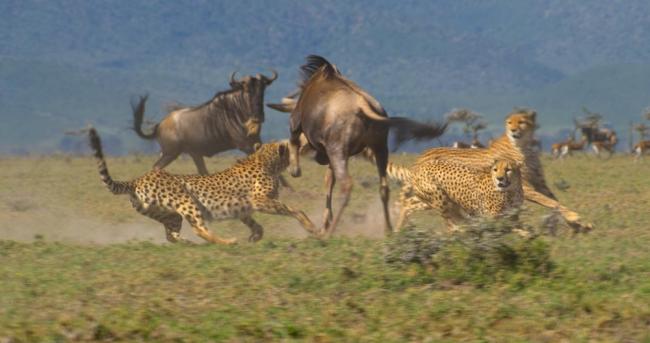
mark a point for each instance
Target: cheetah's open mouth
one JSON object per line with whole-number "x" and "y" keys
{"x": 515, "y": 135}
{"x": 503, "y": 184}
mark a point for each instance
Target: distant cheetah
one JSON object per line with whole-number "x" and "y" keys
{"x": 249, "y": 185}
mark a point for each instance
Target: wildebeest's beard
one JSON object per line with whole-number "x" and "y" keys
{"x": 249, "y": 94}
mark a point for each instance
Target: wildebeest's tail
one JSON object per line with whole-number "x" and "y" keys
{"x": 394, "y": 171}
{"x": 405, "y": 129}
{"x": 116, "y": 187}
{"x": 138, "y": 118}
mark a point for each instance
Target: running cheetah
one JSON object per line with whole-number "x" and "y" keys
{"x": 459, "y": 191}
{"x": 248, "y": 186}
{"x": 515, "y": 145}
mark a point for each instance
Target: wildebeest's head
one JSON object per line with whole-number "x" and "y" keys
{"x": 253, "y": 88}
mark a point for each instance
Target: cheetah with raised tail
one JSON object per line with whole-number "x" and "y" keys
{"x": 235, "y": 193}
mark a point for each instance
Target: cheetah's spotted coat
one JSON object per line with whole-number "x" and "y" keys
{"x": 459, "y": 191}
{"x": 248, "y": 186}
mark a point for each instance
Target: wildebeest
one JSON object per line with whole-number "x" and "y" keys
{"x": 339, "y": 119}
{"x": 232, "y": 119}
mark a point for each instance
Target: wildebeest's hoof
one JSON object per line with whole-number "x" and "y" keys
{"x": 295, "y": 172}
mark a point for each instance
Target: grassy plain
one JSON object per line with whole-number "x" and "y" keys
{"x": 77, "y": 263}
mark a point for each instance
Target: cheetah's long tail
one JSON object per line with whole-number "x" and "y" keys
{"x": 116, "y": 187}
{"x": 395, "y": 171}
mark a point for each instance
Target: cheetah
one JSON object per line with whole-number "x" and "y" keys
{"x": 515, "y": 145}
{"x": 235, "y": 193}
{"x": 458, "y": 191}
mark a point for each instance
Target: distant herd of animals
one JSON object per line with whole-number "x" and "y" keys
{"x": 332, "y": 118}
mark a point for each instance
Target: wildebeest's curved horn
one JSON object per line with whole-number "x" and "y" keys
{"x": 232, "y": 77}
{"x": 272, "y": 78}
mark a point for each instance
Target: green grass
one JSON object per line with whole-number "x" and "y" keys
{"x": 75, "y": 286}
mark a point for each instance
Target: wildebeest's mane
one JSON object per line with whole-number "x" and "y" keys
{"x": 226, "y": 113}
{"x": 218, "y": 95}
{"x": 313, "y": 65}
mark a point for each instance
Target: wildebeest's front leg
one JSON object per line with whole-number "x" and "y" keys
{"x": 294, "y": 146}
{"x": 200, "y": 164}
{"x": 381, "y": 160}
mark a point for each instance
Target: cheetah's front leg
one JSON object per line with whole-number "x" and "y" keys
{"x": 272, "y": 206}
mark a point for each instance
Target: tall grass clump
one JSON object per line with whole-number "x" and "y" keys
{"x": 481, "y": 253}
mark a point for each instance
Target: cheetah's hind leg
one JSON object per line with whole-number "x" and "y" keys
{"x": 257, "y": 231}
{"x": 170, "y": 220}
{"x": 409, "y": 203}
{"x": 193, "y": 213}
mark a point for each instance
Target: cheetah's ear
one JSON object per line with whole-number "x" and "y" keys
{"x": 257, "y": 146}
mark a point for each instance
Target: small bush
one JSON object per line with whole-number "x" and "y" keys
{"x": 483, "y": 252}
{"x": 413, "y": 245}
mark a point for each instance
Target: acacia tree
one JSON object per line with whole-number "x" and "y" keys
{"x": 643, "y": 130}
{"x": 591, "y": 119}
{"x": 472, "y": 121}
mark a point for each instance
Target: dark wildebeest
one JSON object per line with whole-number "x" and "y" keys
{"x": 338, "y": 120}
{"x": 232, "y": 119}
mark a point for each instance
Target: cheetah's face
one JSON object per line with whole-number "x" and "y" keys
{"x": 520, "y": 126}
{"x": 504, "y": 174}
{"x": 276, "y": 154}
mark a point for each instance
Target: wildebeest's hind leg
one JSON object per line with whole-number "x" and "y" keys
{"x": 330, "y": 181}
{"x": 164, "y": 160}
{"x": 272, "y": 206}
{"x": 257, "y": 231}
{"x": 381, "y": 159}
{"x": 339, "y": 165}
{"x": 200, "y": 164}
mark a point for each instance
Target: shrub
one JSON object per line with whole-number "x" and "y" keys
{"x": 481, "y": 253}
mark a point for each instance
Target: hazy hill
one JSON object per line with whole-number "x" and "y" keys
{"x": 67, "y": 63}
